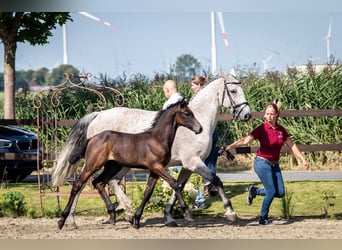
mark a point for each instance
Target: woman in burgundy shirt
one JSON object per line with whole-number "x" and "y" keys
{"x": 271, "y": 137}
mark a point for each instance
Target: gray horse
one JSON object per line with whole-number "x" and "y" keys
{"x": 188, "y": 150}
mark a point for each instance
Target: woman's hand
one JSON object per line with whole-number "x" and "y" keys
{"x": 306, "y": 164}
{"x": 229, "y": 155}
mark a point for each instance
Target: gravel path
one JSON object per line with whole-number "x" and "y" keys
{"x": 154, "y": 228}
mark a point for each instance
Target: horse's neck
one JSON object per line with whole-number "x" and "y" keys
{"x": 206, "y": 105}
{"x": 165, "y": 129}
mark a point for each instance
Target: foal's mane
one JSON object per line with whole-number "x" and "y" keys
{"x": 162, "y": 112}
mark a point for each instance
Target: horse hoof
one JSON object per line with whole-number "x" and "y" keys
{"x": 171, "y": 224}
{"x": 60, "y": 224}
{"x": 135, "y": 223}
{"x": 231, "y": 217}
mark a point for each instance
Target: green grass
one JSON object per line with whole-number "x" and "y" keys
{"x": 307, "y": 200}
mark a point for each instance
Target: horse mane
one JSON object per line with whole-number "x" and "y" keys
{"x": 157, "y": 117}
{"x": 162, "y": 112}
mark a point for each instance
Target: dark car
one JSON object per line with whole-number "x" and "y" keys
{"x": 18, "y": 153}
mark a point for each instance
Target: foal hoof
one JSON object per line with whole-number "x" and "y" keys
{"x": 231, "y": 217}
{"x": 135, "y": 223}
{"x": 60, "y": 224}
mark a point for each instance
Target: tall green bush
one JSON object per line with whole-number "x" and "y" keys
{"x": 296, "y": 91}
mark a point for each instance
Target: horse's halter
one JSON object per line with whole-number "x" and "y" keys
{"x": 236, "y": 107}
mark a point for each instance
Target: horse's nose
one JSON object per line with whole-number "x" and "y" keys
{"x": 199, "y": 130}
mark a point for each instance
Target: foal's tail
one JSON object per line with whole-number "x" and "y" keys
{"x": 78, "y": 153}
{"x": 73, "y": 146}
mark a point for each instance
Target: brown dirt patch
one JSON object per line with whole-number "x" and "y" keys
{"x": 153, "y": 228}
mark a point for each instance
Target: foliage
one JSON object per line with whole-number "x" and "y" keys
{"x": 161, "y": 195}
{"x": 40, "y": 76}
{"x": 12, "y": 204}
{"x": 56, "y": 77}
{"x": 32, "y": 27}
{"x": 187, "y": 66}
{"x": 287, "y": 207}
{"x": 295, "y": 90}
{"x": 306, "y": 195}
{"x": 158, "y": 199}
{"x": 329, "y": 201}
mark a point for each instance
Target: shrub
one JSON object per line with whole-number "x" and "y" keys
{"x": 13, "y": 204}
{"x": 287, "y": 207}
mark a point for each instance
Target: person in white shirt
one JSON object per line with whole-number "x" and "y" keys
{"x": 171, "y": 93}
{"x": 173, "y": 96}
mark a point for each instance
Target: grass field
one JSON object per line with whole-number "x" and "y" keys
{"x": 308, "y": 200}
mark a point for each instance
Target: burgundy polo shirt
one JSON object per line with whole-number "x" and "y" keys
{"x": 271, "y": 140}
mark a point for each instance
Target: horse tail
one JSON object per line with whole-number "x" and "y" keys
{"x": 78, "y": 153}
{"x": 76, "y": 139}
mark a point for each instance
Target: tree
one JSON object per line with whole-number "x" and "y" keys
{"x": 28, "y": 75}
{"x": 32, "y": 27}
{"x": 187, "y": 66}
{"x": 57, "y": 76}
{"x": 20, "y": 80}
{"x": 40, "y": 76}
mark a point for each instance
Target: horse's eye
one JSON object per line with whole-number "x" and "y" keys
{"x": 233, "y": 91}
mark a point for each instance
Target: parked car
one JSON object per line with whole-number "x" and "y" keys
{"x": 18, "y": 153}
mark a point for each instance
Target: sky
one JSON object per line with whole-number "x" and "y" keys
{"x": 148, "y": 40}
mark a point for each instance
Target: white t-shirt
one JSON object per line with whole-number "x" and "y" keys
{"x": 176, "y": 97}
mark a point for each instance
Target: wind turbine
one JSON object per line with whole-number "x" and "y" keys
{"x": 264, "y": 61}
{"x": 327, "y": 38}
{"x": 225, "y": 39}
{"x": 65, "y": 48}
{"x": 213, "y": 40}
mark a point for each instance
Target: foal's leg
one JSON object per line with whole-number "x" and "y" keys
{"x": 177, "y": 189}
{"x": 151, "y": 182}
{"x": 160, "y": 171}
{"x": 183, "y": 177}
{"x": 75, "y": 190}
{"x": 124, "y": 201}
{"x": 110, "y": 169}
{"x": 72, "y": 214}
